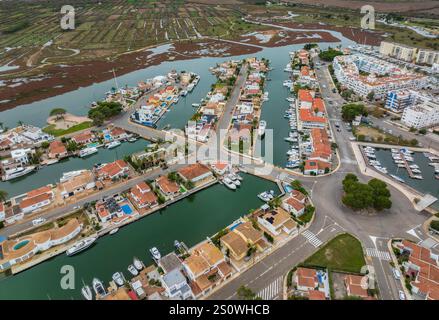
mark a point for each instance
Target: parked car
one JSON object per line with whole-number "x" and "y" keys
{"x": 401, "y": 295}
{"x": 396, "y": 274}
{"x": 38, "y": 221}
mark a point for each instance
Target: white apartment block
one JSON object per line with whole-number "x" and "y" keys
{"x": 421, "y": 115}
{"x": 364, "y": 74}
{"x": 409, "y": 54}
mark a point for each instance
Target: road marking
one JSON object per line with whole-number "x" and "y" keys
{"x": 311, "y": 237}
{"x": 382, "y": 255}
{"x": 272, "y": 290}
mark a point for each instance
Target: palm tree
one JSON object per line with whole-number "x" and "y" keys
{"x": 20, "y": 123}
{"x": 3, "y": 195}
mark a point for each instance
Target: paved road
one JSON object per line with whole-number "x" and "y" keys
{"x": 332, "y": 217}
{"x": 429, "y": 140}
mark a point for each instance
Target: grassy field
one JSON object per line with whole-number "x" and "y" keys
{"x": 61, "y": 132}
{"x": 343, "y": 253}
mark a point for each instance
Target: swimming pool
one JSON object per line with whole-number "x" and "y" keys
{"x": 126, "y": 209}
{"x": 288, "y": 188}
{"x": 21, "y": 244}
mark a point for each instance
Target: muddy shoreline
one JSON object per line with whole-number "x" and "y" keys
{"x": 58, "y": 79}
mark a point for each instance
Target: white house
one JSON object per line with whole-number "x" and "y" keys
{"x": 293, "y": 206}
{"x": 176, "y": 285}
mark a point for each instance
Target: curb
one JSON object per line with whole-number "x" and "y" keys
{"x": 395, "y": 261}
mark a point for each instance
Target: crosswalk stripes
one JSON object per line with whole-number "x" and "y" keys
{"x": 272, "y": 290}
{"x": 382, "y": 255}
{"x": 312, "y": 238}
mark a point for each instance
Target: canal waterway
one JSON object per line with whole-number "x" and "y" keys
{"x": 190, "y": 220}
{"x": 51, "y": 174}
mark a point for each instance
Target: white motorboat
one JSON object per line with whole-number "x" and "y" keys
{"x": 86, "y": 292}
{"x": 133, "y": 270}
{"x": 118, "y": 278}
{"x": 265, "y": 96}
{"x": 113, "y": 144}
{"x": 291, "y": 99}
{"x": 132, "y": 139}
{"x": 183, "y": 93}
{"x": 418, "y": 176}
{"x": 414, "y": 166}
{"x": 195, "y": 105}
{"x": 17, "y": 172}
{"x": 80, "y": 246}
{"x": 234, "y": 180}
{"x": 88, "y": 151}
{"x": 266, "y": 195}
{"x": 98, "y": 287}
{"x": 113, "y": 231}
{"x": 137, "y": 263}
{"x": 155, "y": 253}
{"x": 229, "y": 183}
{"x": 397, "y": 178}
{"x": 261, "y": 129}
{"x": 416, "y": 171}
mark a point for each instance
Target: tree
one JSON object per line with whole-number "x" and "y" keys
{"x": 58, "y": 113}
{"x": 98, "y": 118}
{"x": 423, "y": 131}
{"x": 371, "y": 96}
{"x": 3, "y": 196}
{"x": 351, "y": 110}
{"x": 297, "y": 185}
{"x": 246, "y": 293}
{"x": 359, "y": 196}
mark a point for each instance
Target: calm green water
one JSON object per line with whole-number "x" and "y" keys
{"x": 190, "y": 220}
{"x": 52, "y": 173}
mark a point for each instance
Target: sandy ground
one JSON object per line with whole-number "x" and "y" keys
{"x": 67, "y": 121}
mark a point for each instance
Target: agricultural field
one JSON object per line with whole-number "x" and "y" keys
{"x": 107, "y": 28}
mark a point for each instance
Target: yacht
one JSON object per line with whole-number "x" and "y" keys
{"x": 195, "y": 105}
{"x": 287, "y": 83}
{"x": 261, "y": 129}
{"x": 137, "y": 263}
{"x": 155, "y": 253}
{"x": 184, "y": 93}
{"x": 98, "y": 287}
{"x": 132, "y": 269}
{"x": 88, "y": 151}
{"x": 266, "y": 195}
{"x": 397, "y": 178}
{"x": 80, "y": 246}
{"x": 234, "y": 180}
{"x": 113, "y": 144}
{"x": 118, "y": 278}
{"x": 229, "y": 183}
{"x": 292, "y": 164}
{"x": 86, "y": 292}
{"x": 265, "y": 96}
{"x": 17, "y": 172}
{"x": 113, "y": 231}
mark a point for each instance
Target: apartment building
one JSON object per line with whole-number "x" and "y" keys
{"x": 363, "y": 75}
{"x": 409, "y": 54}
{"x": 421, "y": 115}
{"x": 398, "y": 100}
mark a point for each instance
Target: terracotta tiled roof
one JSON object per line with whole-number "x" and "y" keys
{"x": 28, "y": 202}
{"x": 167, "y": 185}
{"x": 193, "y": 171}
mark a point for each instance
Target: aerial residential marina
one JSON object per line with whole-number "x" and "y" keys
{"x": 220, "y": 151}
